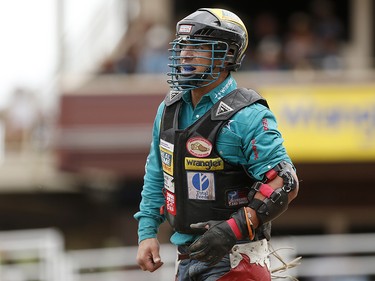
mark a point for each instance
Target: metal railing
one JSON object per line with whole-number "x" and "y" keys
{"x": 33, "y": 255}
{"x": 39, "y": 255}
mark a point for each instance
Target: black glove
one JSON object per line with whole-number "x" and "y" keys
{"x": 214, "y": 244}
{"x": 219, "y": 239}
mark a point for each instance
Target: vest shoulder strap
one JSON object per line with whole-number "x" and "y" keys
{"x": 172, "y": 97}
{"x": 234, "y": 101}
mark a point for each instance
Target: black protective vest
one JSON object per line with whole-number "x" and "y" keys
{"x": 199, "y": 185}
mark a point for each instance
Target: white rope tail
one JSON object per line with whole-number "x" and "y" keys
{"x": 285, "y": 265}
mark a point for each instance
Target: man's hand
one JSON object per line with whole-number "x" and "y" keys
{"x": 219, "y": 238}
{"x": 214, "y": 244}
{"x": 148, "y": 257}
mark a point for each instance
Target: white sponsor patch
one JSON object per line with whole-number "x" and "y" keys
{"x": 167, "y": 145}
{"x": 185, "y": 28}
{"x": 201, "y": 186}
{"x": 199, "y": 147}
{"x": 168, "y": 182}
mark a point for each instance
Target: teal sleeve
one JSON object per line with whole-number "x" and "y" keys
{"x": 262, "y": 142}
{"x": 252, "y": 139}
{"x": 148, "y": 216}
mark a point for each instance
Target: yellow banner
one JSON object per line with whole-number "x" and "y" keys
{"x": 325, "y": 123}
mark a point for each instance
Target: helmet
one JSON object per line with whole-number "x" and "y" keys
{"x": 222, "y": 31}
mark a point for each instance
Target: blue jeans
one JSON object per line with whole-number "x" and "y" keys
{"x": 194, "y": 270}
{"x": 250, "y": 263}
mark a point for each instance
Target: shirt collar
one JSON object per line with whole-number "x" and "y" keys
{"x": 227, "y": 86}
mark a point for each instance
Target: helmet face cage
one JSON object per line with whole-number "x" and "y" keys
{"x": 187, "y": 76}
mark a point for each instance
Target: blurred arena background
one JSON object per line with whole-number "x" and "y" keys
{"x": 81, "y": 81}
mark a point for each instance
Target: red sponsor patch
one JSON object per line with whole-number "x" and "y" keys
{"x": 255, "y": 150}
{"x": 170, "y": 199}
{"x": 265, "y": 124}
{"x": 199, "y": 147}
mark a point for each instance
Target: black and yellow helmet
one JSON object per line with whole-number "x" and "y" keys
{"x": 223, "y": 30}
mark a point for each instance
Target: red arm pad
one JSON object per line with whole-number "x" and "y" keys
{"x": 236, "y": 230}
{"x": 266, "y": 190}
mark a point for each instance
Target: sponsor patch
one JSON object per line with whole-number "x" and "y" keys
{"x": 167, "y": 145}
{"x": 166, "y": 160}
{"x": 265, "y": 124}
{"x": 223, "y": 108}
{"x": 237, "y": 197}
{"x": 207, "y": 164}
{"x": 185, "y": 28}
{"x": 173, "y": 95}
{"x": 201, "y": 186}
{"x": 199, "y": 147}
{"x": 254, "y": 148}
{"x": 170, "y": 200}
{"x": 168, "y": 182}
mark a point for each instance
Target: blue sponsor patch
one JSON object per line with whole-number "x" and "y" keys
{"x": 237, "y": 197}
{"x": 201, "y": 186}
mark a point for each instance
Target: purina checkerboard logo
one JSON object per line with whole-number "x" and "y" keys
{"x": 185, "y": 28}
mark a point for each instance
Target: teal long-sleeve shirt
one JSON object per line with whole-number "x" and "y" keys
{"x": 250, "y": 138}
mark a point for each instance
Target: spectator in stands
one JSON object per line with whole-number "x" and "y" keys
{"x": 268, "y": 51}
{"x": 269, "y": 54}
{"x": 300, "y": 43}
{"x": 328, "y": 31}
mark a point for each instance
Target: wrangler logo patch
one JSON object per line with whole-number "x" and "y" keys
{"x": 210, "y": 164}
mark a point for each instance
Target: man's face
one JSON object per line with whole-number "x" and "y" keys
{"x": 196, "y": 63}
{"x": 195, "y": 58}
